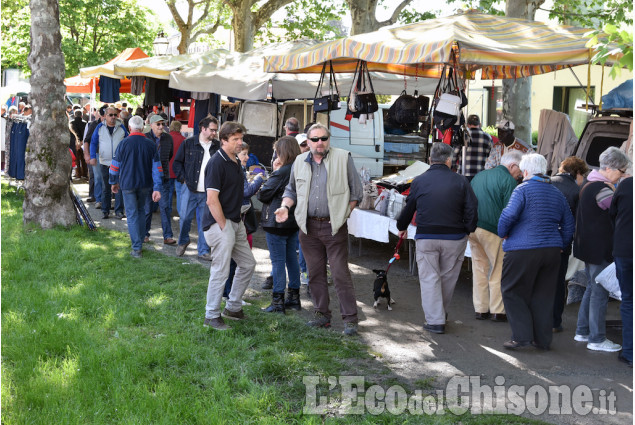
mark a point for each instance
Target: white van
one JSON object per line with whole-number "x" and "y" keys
{"x": 370, "y": 147}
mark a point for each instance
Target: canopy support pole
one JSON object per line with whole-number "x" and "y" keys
{"x": 581, "y": 85}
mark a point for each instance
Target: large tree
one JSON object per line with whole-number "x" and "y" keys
{"x": 93, "y": 31}
{"x": 203, "y": 17}
{"x": 517, "y": 92}
{"x": 248, "y": 16}
{"x": 364, "y": 15}
{"x": 48, "y": 163}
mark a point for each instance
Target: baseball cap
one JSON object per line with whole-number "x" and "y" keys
{"x": 156, "y": 118}
{"x": 301, "y": 138}
{"x": 505, "y": 125}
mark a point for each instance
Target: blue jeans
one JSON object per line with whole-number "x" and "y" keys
{"x": 178, "y": 187}
{"x": 107, "y": 194}
{"x": 301, "y": 258}
{"x": 147, "y": 209}
{"x": 192, "y": 203}
{"x": 230, "y": 279}
{"x": 165, "y": 205}
{"x": 624, "y": 271}
{"x": 592, "y": 313}
{"x": 284, "y": 260}
{"x": 98, "y": 182}
{"x": 135, "y": 201}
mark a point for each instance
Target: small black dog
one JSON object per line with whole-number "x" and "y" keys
{"x": 380, "y": 288}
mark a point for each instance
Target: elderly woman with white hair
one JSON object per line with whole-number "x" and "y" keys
{"x": 593, "y": 244}
{"x": 536, "y": 225}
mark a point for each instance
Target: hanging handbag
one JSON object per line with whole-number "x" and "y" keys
{"x": 331, "y": 101}
{"x": 365, "y": 101}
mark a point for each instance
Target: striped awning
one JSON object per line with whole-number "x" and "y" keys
{"x": 108, "y": 69}
{"x": 499, "y": 46}
{"x": 160, "y": 67}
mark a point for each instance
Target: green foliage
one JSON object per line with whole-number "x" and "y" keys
{"x": 15, "y": 40}
{"x": 410, "y": 16}
{"x": 611, "y": 42}
{"x": 485, "y": 6}
{"x": 306, "y": 19}
{"x": 93, "y": 31}
{"x": 592, "y": 13}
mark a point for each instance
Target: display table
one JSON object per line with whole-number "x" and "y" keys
{"x": 369, "y": 224}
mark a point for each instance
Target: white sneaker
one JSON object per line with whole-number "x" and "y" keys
{"x": 304, "y": 278}
{"x": 605, "y": 345}
{"x": 581, "y": 338}
{"x": 245, "y": 302}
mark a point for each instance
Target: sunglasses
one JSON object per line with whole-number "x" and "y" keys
{"x": 622, "y": 171}
{"x": 160, "y": 124}
{"x": 315, "y": 139}
{"x": 112, "y": 115}
{"x": 213, "y": 130}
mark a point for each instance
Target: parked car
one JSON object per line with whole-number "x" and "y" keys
{"x": 606, "y": 128}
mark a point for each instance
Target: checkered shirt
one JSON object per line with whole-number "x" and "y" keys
{"x": 476, "y": 153}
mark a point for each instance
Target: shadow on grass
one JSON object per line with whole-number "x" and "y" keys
{"x": 91, "y": 335}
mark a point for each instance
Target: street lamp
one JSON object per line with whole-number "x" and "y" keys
{"x": 160, "y": 44}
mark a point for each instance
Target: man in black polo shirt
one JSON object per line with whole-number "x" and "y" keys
{"x": 224, "y": 230}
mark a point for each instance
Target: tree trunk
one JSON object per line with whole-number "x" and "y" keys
{"x": 48, "y": 161}
{"x": 517, "y": 93}
{"x": 363, "y": 18}
{"x": 243, "y": 27}
{"x": 363, "y": 15}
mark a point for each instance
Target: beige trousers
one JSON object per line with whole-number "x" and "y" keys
{"x": 487, "y": 267}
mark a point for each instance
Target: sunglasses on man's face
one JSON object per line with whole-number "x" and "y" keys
{"x": 112, "y": 115}
{"x": 160, "y": 124}
{"x": 315, "y": 139}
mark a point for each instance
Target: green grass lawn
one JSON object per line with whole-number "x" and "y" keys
{"x": 92, "y": 336}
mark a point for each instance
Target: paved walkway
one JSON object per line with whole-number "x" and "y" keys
{"x": 470, "y": 348}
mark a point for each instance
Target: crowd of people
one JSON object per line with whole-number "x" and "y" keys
{"x": 521, "y": 224}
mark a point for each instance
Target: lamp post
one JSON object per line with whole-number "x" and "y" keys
{"x": 160, "y": 44}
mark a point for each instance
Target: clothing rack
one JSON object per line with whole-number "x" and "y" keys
{"x": 17, "y": 134}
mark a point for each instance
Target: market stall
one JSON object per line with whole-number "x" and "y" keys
{"x": 241, "y": 75}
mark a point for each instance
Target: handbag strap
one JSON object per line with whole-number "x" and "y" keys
{"x": 355, "y": 83}
{"x": 332, "y": 81}
{"x": 317, "y": 91}
{"x": 370, "y": 82}
{"x": 440, "y": 86}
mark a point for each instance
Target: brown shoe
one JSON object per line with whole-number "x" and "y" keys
{"x": 146, "y": 239}
{"x": 216, "y": 323}
{"x": 234, "y": 315}
{"x": 169, "y": 241}
{"x": 206, "y": 257}
{"x": 180, "y": 250}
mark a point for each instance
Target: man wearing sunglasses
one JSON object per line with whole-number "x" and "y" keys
{"x": 325, "y": 187}
{"x": 163, "y": 142}
{"x": 106, "y": 137}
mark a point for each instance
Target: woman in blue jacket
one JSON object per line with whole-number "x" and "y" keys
{"x": 536, "y": 226}
{"x": 282, "y": 238}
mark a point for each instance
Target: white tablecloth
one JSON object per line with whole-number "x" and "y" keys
{"x": 369, "y": 224}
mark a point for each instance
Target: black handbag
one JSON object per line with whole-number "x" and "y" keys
{"x": 330, "y": 102}
{"x": 250, "y": 220}
{"x": 364, "y": 101}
